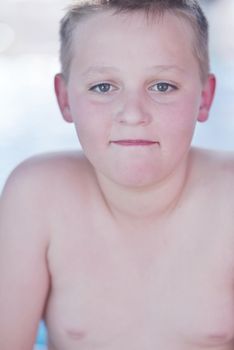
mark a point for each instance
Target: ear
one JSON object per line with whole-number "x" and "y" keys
{"x": 62, "y": 97}
{"x": 207, "y": 98}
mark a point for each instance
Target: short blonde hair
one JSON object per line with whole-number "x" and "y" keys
{"x": 189, "y": 10}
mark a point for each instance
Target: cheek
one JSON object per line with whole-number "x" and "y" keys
{"x": 181, "y": 120}
{"x": 177, "y": 130}
{"x": 92, "y": 122}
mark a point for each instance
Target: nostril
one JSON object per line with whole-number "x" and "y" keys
{"x": 137, "y": 118}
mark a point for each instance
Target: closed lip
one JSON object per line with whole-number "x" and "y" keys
{"x": 134, "y": 142}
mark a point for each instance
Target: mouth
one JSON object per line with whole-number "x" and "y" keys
{"x": 129, "y": 143}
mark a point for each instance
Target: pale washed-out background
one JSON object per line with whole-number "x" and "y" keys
{"x": 30, "y": 122}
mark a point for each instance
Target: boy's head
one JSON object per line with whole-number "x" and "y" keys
{"x": 189, "y": 10}
{"x": 135, "y": 81}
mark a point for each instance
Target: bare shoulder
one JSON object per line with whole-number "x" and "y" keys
{"x": 213, "y": 171}
{"x": 38, "y": 184}
{"x": 45, "y": 165}
{"x": 210, "y": 160}
{"x": 211, "y": 192}
{"x": 44, "y": 173}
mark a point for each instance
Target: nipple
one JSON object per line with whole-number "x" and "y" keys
{"x": 219, "y": 338}
{"x": 76, "y": 334}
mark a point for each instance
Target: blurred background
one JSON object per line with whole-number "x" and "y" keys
{"x": 30, "y": 122}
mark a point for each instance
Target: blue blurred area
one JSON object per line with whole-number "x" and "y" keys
{"x": 42, "y": 335}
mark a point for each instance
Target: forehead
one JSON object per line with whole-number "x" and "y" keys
{"x": 133, "y": 37}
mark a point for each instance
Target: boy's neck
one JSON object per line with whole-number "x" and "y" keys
{"x": 148, "y": 204}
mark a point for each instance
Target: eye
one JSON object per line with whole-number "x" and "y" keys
{"x": 102, "y": 88}
{"x": 163, "y": 87}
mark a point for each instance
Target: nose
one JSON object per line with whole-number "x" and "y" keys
{"x": 133, "y": 109}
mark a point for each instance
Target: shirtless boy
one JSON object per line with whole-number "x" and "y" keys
{"x": 128, "y": 245}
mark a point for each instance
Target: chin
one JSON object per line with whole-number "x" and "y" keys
{"x": 137, "y": 173}
{"x": 136, "y": 179}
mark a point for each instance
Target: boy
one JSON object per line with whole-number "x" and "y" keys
{"x": 130, "y": 244}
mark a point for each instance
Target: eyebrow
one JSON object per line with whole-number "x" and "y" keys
{"x": 100, "y": 70}
{"x": 162, "y": 68}
{"x": 110, "y": 69}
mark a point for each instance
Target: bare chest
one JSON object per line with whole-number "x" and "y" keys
{"x": 146, "y": 296}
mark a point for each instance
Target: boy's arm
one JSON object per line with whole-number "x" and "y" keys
{"x": 24, "y": 278}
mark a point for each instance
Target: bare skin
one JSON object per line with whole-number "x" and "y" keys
{"x": 135, "y": 251}
{"x": 167, "y": 284}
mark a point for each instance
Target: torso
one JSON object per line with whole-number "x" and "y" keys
{"x": 168, "y": 289}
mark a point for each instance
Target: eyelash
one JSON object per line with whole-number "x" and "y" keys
{"x": 169, "y": 87}
{"x": 97, "y": 86}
